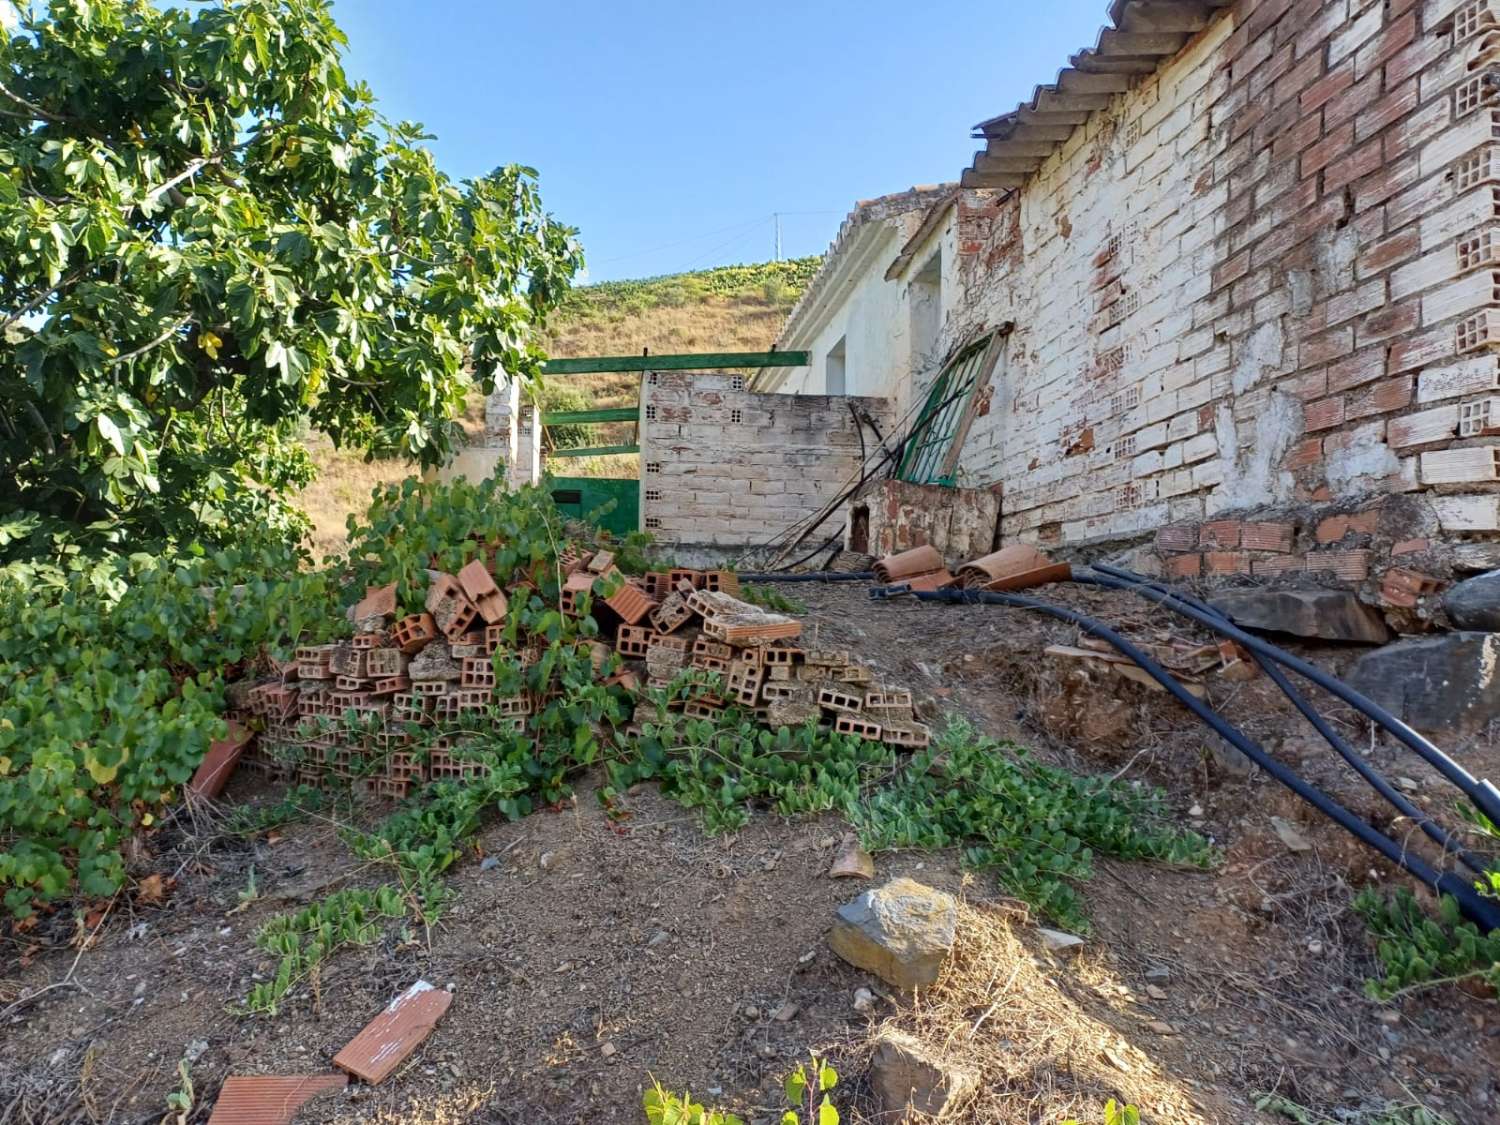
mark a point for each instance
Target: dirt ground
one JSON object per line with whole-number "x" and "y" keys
{"x": 594, "y": 954}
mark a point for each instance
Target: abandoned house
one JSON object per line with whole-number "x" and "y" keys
{"x": 1229, "y": 286}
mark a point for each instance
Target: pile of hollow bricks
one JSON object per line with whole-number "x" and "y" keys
{"x": 696, "y": 622}
{"x": 348, "y": 713}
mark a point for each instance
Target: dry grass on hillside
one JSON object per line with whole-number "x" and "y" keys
{"x": 732, "y": 309}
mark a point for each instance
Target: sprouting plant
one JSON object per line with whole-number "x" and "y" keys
{"x": 1115, "y": 1114}
{"x": 806, "y": 1089}
{"x": 180, "y": 1100}
{"x": 768, "y": 597}
{"x": 1416, "y": 949}
{"x": 250, "y": 894}
{"x": 666, "y": 1108}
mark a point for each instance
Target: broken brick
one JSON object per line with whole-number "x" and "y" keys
{"x": 269, "y": 1099}
{"x": 395, "y": 1033}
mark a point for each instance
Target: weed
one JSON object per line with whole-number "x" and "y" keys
{"x": 666, "y": 1108}
{"x": 304, "y": 940}
{"x": 1034, "y": 826}
{"x": 1416, "y": 949}
{"x": 180, "y": 1100}
{"x": 1115, "y": 1114}
{"x": 807, "y": 1089}
{"x": 768, "y": 597}
{"x": 1411, "y": 1113}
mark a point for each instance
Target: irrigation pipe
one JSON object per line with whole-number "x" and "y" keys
{"x": 1483, "y": 912}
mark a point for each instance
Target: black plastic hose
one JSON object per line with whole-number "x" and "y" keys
{"x": 1481, "y": 911}
{"x": 1481, "y": 793}
{"x": 1399, "y": 801}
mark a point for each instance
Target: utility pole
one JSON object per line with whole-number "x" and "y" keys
{"x": 776, "y": 216}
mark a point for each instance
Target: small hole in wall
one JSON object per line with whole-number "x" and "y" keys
{"x": 653, "y": 466}
{"x": 653, "y": 523}
{"x": 653, "y": 495}
{"x": 652, "y": 379}
{"x": 650, "y": 413}
{"x": 736, "y": 382}
{"x": 736, "y": 416}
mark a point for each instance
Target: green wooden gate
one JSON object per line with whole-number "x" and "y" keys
{"x": 585, "y": 497}
{"x": 582, "y": 498}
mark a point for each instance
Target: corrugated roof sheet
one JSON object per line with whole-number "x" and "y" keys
{"x": 1140, "y": 36}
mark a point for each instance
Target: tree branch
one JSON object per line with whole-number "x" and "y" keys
{"x": 144, "y": 348}
{"x": 32, "y": 107}
{"x": 41, "y": 298}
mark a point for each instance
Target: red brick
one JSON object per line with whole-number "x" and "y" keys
{"x": 1331, "y": 529}
{"x": 1359, "y": 163}
{"x": 1227, "y": 562}
{"x": 1313, "y": 23}
{"x": 1323, "y": 415}
{"x": 1410, "y": 546}
{"x": 1267, "y": 537}
{"x": 1389, "y": 251}
{"x": 1389, "y": 41}
{"x": 1351, "y": 566}
{"x": 1177, "y": 537}
{"x": 1405, "y": 587}
{"x": 1276, "y": 565}
{"x": 1414, "y": 58}
{"x": 1185, "y": 566}
{"x": 1330, "y": 84}
{"x": 1396, "y": 176}
{"x": 1333, "y": 145}
{"x": 1304, "y": 454}
{"x": 1389, "y": 394}
{"x": 1232, "y": 270}
{"x": 1299, "y": 78}
{"x": 1326, "y": 347}
{"x": 1292, "y": 141}
{"x": 1419, "y": 351}
{"x": 1343, "y": 106}
{"x": 1393, "y": 320}
{"x": 1220, "y": 533}
{"x": 1393, "y": 106}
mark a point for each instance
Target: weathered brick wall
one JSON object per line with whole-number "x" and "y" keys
{"x": 1264, "y": 281}
{"x": 724, "y": 467}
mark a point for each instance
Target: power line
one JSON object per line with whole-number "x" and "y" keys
{"x": 681, "y": 242}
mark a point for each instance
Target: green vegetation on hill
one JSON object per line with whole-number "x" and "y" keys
{"x": 773, "y": 282}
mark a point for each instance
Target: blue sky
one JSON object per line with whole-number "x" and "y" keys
{"x": 669, "y": 132}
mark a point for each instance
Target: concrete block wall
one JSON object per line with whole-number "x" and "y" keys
{"x": 1266, "y": 279}
{"x": 723, "y": 467}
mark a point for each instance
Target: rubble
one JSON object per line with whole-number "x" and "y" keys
{"x": 902, "y": 932}
{"x": 1330, "y": 615}
{"x": 1442, "y": 685}
{"x": 908, "y": 1078}
{"x": 1474, "y": 603}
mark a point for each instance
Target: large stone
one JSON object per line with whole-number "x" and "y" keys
{"x": 902, "y": 932}
{"x": 1442, "y": 685}
{"x": 906, "y": 1078}
{"x": 1475, "y": 603}
{"x": 1330, "y": 615}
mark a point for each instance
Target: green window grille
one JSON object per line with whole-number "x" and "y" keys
{"x": 932, "y": 437}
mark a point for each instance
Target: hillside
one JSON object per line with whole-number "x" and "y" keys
{"x": 731, "y": 308}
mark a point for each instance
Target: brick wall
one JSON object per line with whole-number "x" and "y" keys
{"x": 1265, "y": 280}
{"x": 723, "y": 467}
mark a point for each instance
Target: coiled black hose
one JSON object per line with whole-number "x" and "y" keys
{"x": 1153, "y": 591}
{"x": 1481, "y": 793}
{"x": 1481, "y": 911}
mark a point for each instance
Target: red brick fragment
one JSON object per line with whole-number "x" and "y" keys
{"x": 394, "y": 1034}
{"x": 269, "y": 1099}
{"x": 1220, "y": 533}
{"x": 1267, "y": 537}
{"x": 1185, "y": 566}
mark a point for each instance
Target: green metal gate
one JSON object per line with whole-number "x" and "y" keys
{"x": 584, "y": 498}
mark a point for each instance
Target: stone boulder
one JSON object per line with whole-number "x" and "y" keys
{"x": 1330, "y": 615}
{"x": 902, "y": 932}
{"x": 1475, "y": 603}
{"x": 908, "y": 1078}
{"x": 1442, "y": 685}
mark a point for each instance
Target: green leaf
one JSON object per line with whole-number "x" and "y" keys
{"x": 795, "y": 1085}
{"x": 827, "y": 1114}
{"x": 111, "y": 433}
